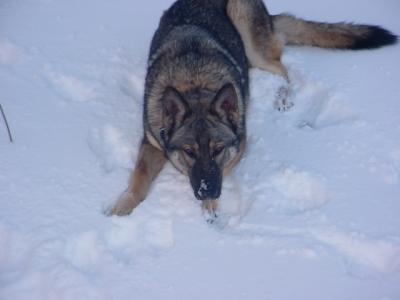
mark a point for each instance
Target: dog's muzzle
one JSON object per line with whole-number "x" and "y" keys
{"x": 206, "y": 180}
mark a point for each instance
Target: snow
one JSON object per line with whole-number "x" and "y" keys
{"x": 72, "y": 88}
{"x": 111, "y": 147}
{"x": 9, "y": 53}
{"x": 299, "y": 190}
{"x": 380, "y": 255}
{"x": 311, "y": 212}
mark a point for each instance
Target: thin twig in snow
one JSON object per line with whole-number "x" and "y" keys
{"x": 5, "y": 121}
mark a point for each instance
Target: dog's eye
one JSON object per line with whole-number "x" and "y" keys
{"x": 218, "y": 150}
{"x": 189, "y": 151}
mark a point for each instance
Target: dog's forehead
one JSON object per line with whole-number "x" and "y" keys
{"x": 200, "y": 125}
{"x": 202, "y": 128}
{"x": 199, "y": 98}
{"x": 207, "y": 130}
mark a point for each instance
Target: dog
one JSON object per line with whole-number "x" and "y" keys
{"x": 197, "y": 86}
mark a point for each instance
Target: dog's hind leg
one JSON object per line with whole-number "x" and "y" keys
{"x": 263, "y": 47}
{"x": 149, "y": 163}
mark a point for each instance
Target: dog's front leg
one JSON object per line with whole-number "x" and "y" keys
{"x": 149, "y": 163}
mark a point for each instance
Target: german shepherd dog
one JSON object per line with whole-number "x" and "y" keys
{"x": 197, "y": 86}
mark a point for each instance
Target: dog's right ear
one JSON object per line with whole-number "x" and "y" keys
{"x": 175, "y": 109}
{"x": 226, "y": 105}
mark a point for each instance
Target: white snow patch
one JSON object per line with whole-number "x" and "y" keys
{"x": 299, "y": 190}
{"x": 395, "y": 165}
{"x": 301, "y": 252}
{"x": 84, "y": 250}
{"x": 73, "y": 88}
{"x": 15, "y": 248}
{"x": 9, "y": 53}
{"x": 111, "y": 147}
{"x": 315, "y": 105}
{"x": 232, "y": 205}
{"x": 378, "y": 254}
{"x": 396, "y": 156}
{"x": 384, "y": 170}
{"x": 135, "y": 84}
{"x": 128, "y": 236}
{"x": 334, "y": 113}
{"x": 4, "y": 245}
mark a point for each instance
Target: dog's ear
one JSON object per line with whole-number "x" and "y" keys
{"x": 175, "y": 109}
{"x": 226, "y": 106}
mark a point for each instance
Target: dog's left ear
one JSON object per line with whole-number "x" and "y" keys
{"x": 226, "y": 105}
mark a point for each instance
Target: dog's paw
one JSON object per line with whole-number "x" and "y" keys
{"x": 124, "y": 206}
{"x": 282, "y": 103}
{"x": 284, "y": 106}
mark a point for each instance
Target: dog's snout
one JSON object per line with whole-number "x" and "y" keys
{"x": 208, "y": 190}
{"x": 206, "y": 181}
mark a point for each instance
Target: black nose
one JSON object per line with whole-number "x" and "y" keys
{"x": 208, "y": 190}
{"x": 206, "y": 181}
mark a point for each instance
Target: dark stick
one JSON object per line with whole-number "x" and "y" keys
{"x": 5, "y": 121}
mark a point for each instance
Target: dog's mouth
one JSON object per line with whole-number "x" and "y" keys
{"x": 210, "y": 209}
{"x": 206, "y": 180}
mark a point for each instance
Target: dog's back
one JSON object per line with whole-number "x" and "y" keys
{"x": 208, "y": 15}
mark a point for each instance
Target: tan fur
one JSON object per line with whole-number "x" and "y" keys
{"x": 325, "y": 35}
{"x": 153, "y": 141}
{"x": 149, "y": 164}
{"x": 263, "y": 47}
{"x": 210, "y": 206}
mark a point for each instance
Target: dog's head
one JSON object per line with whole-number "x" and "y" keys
{"x": 200, "y": 135}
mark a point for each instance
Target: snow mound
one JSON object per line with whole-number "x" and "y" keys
{"x": 73, "y": 88}
{"x": 377, "y": 254}
{"x": 315, "y": 105}
{"x": 127, "y": 237}
{"x": 111, "y": 147}
{"x": 299, "y": 191}
{"x": 84, "y": 250}
{"x": 132, "y": 84}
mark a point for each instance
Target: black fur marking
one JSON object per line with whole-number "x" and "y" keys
{"x": 163, "y": 135}
{"x": 376, "y": 37}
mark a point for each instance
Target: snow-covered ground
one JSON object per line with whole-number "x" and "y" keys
{"x": 311, "y": 212}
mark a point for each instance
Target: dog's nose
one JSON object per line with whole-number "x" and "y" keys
{"x": 206, "y": 181}
{"x": 208, "y": 190}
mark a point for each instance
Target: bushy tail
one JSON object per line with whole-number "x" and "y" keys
{"x": 300, "y": 32}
